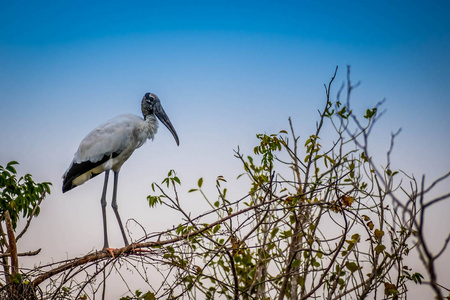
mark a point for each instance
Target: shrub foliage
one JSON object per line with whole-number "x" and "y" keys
{"x": 321, "y": 219}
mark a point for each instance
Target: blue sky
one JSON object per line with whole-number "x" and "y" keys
{"x": 224, "y": 71}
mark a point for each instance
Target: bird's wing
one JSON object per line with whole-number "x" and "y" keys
{"x": 106, "y": 141}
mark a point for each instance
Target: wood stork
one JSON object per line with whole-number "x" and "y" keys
{"x": 109, "y": 145}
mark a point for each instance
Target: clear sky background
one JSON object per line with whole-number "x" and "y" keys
{"x": 224, "y": 71}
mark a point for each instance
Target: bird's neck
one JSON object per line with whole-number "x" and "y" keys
{"x": 150, "y": 126}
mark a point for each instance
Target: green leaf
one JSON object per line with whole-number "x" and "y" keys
{"x": 20, "y": 196}
{"x": 166, "y": 181}
{"x": 378, "y": 234}
{"x": 307, "y": 158}
{"x": 240, "y": 175}
{"x": 296, "y": 263}
{"x": 149, "y": 296}
{"x": 380, "y": 248}
{"x": 286, "y": 234}
{"x": 351, "y": 266}
{"x": 180, "y": 229}
{"x": 16, "y": 278}
{"x": 370, "y": 113}
{"x": 200, "y": 182}
{"x": 274, "y": 232}
{"x": 153, "y": 200}
{"x": 417, "y": 277}
{"x": 356, "y": 237}
{"x": 216, "y": 228}
{"x": 11, "y": 163}
{"x": 350, "y": 246}
{"x": 10, "y": 167}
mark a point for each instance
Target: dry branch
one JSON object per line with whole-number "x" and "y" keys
{"x": 29, "y": 253}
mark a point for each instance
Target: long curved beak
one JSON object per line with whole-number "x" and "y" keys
{"x": 162, "y": 116}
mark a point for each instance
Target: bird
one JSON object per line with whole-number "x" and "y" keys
{"x": 109, "y": 145}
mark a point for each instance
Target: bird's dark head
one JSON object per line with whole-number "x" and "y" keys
{"x": 149, "y": 103}
{"x": 152, "y": 106}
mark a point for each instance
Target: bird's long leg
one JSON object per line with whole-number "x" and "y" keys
{"x": 115, "y": 207}
{"x": 103, "y": 202}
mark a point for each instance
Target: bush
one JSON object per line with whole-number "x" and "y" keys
{"x": 321, "y": 219}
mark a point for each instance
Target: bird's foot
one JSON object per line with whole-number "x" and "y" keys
{"x": 110, "y": 250}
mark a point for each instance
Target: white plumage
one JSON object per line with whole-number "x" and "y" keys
{"x": 121, "y": 135}
{"x": 109, "y": 145}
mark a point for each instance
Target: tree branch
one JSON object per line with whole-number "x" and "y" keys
{"x": 12, "y": 244}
